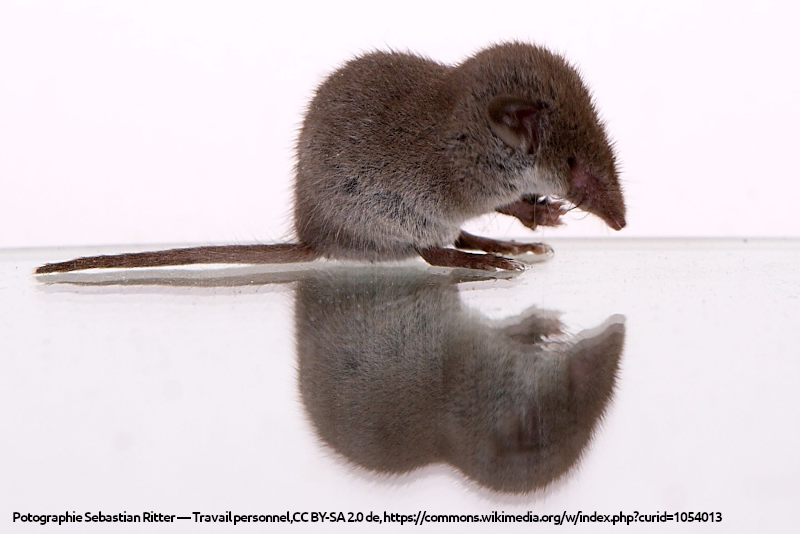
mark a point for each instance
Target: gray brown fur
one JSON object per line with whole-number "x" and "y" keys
{"x": 397, "y": 151}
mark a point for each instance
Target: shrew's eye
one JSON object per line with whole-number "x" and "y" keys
{"x": 571, "y": 162}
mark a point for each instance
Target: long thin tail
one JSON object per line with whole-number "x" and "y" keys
{"x": 281, "y": 253}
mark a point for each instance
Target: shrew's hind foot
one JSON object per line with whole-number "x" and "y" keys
{"x": 473, "y": 242}
{"x": 448, "y": 257}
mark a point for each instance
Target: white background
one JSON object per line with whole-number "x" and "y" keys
{"x": 173, "y": 122}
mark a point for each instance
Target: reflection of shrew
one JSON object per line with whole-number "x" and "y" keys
{"x": 396, "y": 373}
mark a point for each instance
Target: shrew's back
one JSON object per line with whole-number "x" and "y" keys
{"x": 370, "y": 176}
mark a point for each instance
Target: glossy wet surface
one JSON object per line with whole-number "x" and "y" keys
{"x": 263, "y": 391}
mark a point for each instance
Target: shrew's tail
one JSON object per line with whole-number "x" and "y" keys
{"x": 281, "y": 253}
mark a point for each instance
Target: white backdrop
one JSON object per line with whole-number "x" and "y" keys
{"x": 148, "y": 122}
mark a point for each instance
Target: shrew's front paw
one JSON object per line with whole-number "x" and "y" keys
{"x": 533, "y": 211}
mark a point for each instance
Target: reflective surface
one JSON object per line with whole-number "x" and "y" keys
{"x": 261, "y": 391}
{"x": 396, "y": 373}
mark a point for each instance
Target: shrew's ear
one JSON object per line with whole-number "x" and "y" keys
{"x": 518, "y": 122}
